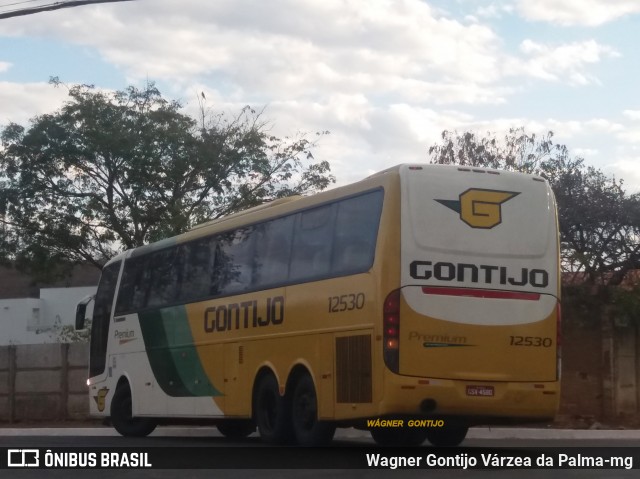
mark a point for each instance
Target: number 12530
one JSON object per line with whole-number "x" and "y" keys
{"x": 346, "y": 302}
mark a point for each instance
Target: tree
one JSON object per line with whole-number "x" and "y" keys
{"x": 518, "y": 151}
{"x": 598, "y": 224}
{"x": 599, "y": 221}
{"x": 111, "y": 171}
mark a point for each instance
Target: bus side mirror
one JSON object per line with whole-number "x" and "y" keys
{"x": 81, "y": 311}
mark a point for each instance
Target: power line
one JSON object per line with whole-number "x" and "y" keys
{"x": 53, "y": 6}
{"x": 18, "y": 3}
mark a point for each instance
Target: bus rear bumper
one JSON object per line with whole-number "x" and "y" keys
{"x": 504, "y": 401}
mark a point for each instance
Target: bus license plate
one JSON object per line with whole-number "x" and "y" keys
{"x": 480, "y": 391}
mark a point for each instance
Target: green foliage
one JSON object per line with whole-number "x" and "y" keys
{"x": 627, "y": 307}
{"x": 597, "y": 226}
{"x": 588, "y": 306}
{"x": 581, "y": 306}
{"x": 68, "y": 334}
{"x": 111, "y": 171}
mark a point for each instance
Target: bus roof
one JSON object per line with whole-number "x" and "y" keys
{"x": 287, "y": 205}
{"x": 268, "y": 204}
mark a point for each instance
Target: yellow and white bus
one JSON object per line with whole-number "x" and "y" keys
{"x": 421, "y": 292}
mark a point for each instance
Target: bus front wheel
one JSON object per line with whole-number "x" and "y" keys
{"x": 272, "y": 412}
{"x": 304, "y": 416}
{"x": 122, "y": 415}
{"x": 236, "y": 428}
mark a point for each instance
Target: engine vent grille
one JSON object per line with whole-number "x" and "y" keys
{"x": 353, "y": 369}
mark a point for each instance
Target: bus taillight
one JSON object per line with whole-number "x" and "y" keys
{"x": 391, "y": 330}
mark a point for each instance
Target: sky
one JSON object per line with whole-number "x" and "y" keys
{"x": 384, "y": 77}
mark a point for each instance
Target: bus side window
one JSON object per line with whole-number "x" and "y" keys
{"x": 312, "y": 242}
{"x": 127, "y": 284}
{"x": 272, "y": 251}
{"x": 163, "y": 265}
{"x": 355, "y": 233}
{"x": 134, "y": 285}
{"x": 234, "y": 261}
{"x": 102, "y": 318}
{"x": 197, "y": 259}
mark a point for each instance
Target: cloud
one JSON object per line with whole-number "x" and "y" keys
{"x": 585, "y": 152}
{"x": 630, "y": 135}
{"x": 565, "y": 62}
{"x": 632, "y": 114}
{"x": 22, "y": 101}
{"x": 286, "y": 49}
{"x": 494, "y": 10}
{"x": 577, "y": 12}
{"x": 256, "y": 52}
{"x": 628, "y": 168}
{"x": 4, "y": 66}
{"x": 385, "y": 77}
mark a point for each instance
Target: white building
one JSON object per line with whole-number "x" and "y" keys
{"x": 39, "y": 320}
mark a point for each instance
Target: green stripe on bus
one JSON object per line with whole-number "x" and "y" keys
{"x": 173, "y": 357}
{"x": 184, "y": 353}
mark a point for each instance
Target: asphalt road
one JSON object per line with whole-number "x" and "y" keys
{"x": 172, "y": 445}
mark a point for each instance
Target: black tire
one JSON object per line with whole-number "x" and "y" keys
{"x": 399, "y": 436}
{"x": 450, "y": 435}
{"x": 236, "y": 428}
{"x": 272, "y": 412}
{"x": 304, "y": 416}
{"x": 122, "y": 418}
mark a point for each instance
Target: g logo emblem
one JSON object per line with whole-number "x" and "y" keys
{"x": 100, "y": 398}
{"x": 480, "y": 208}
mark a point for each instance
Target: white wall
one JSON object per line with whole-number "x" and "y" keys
{"x": 60, "y": 304}
{"x": 34, "y": 321}
{"x": 20, "y": 321}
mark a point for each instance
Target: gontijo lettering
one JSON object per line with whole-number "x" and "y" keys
{"x": 484, "y": 273}
{"x": 245, "y": 315}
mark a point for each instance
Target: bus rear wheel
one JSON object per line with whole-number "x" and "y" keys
{"x": 122, "y": 416}
{"x": 309, "y": 431}
{"x": 236, "y": 428}
{"x": 449, "y": 435}
{"x": 272, "y": 412}
{"x": 399, "y": 436}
